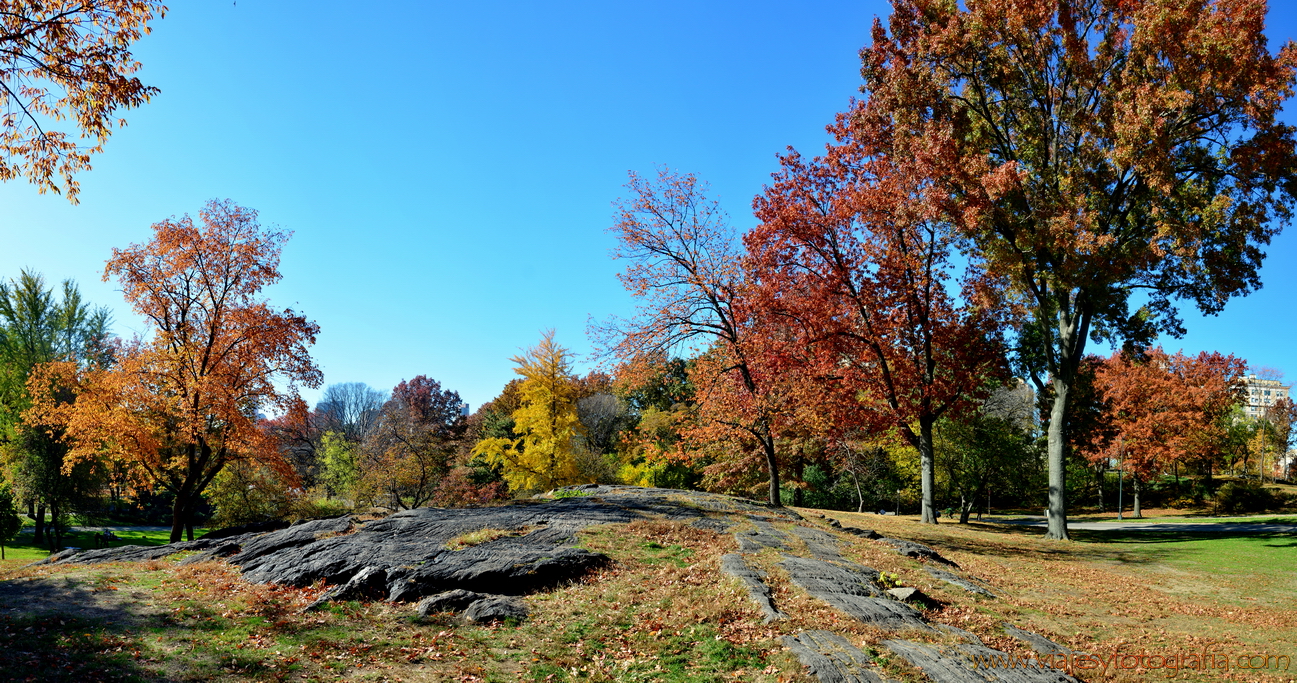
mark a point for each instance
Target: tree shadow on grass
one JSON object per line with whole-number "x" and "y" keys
{"x": 54, "y": 629}
{"x": 1012, "y": 541}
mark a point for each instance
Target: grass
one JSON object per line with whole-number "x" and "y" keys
{"x": 661, "y": 611}
{"x": 1115, "y": 591}
{"x": 472, "y": 538}
{"x": 24, "y": 547}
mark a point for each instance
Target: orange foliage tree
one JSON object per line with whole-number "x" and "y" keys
{"x": 183, "y": 403}
{"x": 685, "y": 267}
{"x": 854, "y": 255}
{"x": 1094, "y": 149}
{"x": 61, "y": 60}
{"x": 1166, "y": 409}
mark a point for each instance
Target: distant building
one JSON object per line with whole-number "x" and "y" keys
{"x": 1261, "y": 394}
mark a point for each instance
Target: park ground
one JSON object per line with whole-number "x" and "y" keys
{"x": 663, "y": 612}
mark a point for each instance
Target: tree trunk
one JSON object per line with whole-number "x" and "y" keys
{"x": 1057, "y": 510}
{"x": 965, "y": 508}
{"x": 799, "y": 468}
{"x": 1103, "y": 475}
{"x": 39, "y": 531}
{"x": 179, "y": 514}
{"x": 1135, "y": 511}
{"x": 860, "y": 495}
{"x": 56, "y": 527}
{"x": 928, "y": 514}
{"x": 772, "y": 466}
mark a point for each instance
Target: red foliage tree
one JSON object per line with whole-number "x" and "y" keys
{"x": 686, "y": 269}
{"x": 1093, "y": 149}
{"x": 853, "y": 253}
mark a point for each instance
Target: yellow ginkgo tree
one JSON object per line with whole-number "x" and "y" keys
{"x": 543, "y": 456}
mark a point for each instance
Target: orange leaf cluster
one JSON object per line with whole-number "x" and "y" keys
{"x": 184, "y": 402}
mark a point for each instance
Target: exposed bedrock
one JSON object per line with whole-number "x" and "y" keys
{"x": 409, "y": 548}
{"x": 832, "y": 658}
{"x": 959, "y": 581}
{"x": 917, "y": 551}
{"x": 764, "y": 536}
{"x": 850, "y": 588}
{"x": 754, "y": 581}
{"x": 973, "y": 663}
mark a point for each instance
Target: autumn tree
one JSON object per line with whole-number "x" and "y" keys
{"x": 66, "y": 61}
{"x": 182, "y": 403}
{"x": 1165, "y": 409}
{"x": 39, "y": 326}
{"x": 542, "y": 456}
{"x": 855, "y": 256}
{"x": 411, "y": 447}
{"x": 1276, "y": 432}
{"x": 684, "y": 266}
{"x": 1093, "y": 150}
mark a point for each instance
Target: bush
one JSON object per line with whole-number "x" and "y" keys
{"x": 1245, "y": 496}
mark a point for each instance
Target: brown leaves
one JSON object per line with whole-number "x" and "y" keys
{"x": 66, "y": 60}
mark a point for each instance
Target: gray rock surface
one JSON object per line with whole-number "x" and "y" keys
{"x": 973, "y": 663}
{"x": 408, "y": 549}
{"x": 1037, "y": 642}
{"x": 959, "y": 581}
{"x": 734, "y": 565}
{"x": 832, "y": 658}
{"x": 496, "y": 608}
{"x": 863, "y": 533}
{"x": 130, "y": 553}
{"x": 764, "y": 536}
{"x": 451, "y": 601}
{"x": 850, "y": 588}
{"x": 821, "y": 544}
{"x": 917, "y": 551}
{"x": 370, "y": 582}
{"x": 907, "y": 593}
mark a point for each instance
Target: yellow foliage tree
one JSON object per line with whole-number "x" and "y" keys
{"x": 543, "y": 456}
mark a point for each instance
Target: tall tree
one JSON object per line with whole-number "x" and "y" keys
{"x": 684, "y": 266}
{"x": 852, "y": 248}
{"x": 38, "y": 327}
{"x": 411, "y": 447}
{"x": 349, "y": 409}
{"x": 183, "y": 402}
{"x": 1094, "y": 149}
{"x": 542, "y": 456}
{"x": 66, "y": 60}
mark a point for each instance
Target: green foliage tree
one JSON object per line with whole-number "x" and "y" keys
{"x": 37, "y": 327}
{"x": 10, "y": 522}
{"x": 543, "y": 456}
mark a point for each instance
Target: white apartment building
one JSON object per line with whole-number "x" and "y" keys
{"x": 1261, "y": 394}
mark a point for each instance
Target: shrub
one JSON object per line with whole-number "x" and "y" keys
{"x": 1244, "y": 496}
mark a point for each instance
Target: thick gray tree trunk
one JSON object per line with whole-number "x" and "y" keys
{"x": 1057, "y": 510}
{"x": 927, "y": 472}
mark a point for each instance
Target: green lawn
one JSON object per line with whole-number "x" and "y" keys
{"x": 1239, "y": 569}
{"x": 25, "y": 548}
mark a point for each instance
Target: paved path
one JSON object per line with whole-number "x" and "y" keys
{"x": 1165, "y": 527}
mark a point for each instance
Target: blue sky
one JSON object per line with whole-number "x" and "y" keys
{"x": 448, "y": 169}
